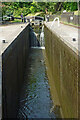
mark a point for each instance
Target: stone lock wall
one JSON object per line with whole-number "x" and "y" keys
{"x": 63, "y": 67}
{"x": 13, "y": 66}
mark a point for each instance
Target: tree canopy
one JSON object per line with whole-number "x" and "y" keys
{"x": 16, "y": 8}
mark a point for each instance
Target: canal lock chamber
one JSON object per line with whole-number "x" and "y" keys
{"x": 26, "y": 90}
{"x": 35, "y": 100}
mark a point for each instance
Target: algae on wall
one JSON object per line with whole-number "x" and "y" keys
{"x": 63, "y": 64}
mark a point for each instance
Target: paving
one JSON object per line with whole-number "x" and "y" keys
{"x": 67, "y": 34}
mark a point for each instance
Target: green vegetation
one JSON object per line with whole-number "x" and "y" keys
{"x": 30, "y": 8}
{"x": 76, "y": 12}
{"x": 16, "y": 20}
{"x": 75, "y": 25}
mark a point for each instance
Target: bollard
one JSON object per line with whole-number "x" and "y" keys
{"x": 74, "y": 39}
{"x": 3, "y": 41}
{"x": 40, "y": 27}
{"x": 32, "y": 24}
{"x": 21, "y": 26}
{"x": 40, "y": 23}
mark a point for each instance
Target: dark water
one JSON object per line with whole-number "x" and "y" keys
{"x": 35, "y": 100}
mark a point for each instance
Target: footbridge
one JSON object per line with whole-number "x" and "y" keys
{"x": 39, "y": 71}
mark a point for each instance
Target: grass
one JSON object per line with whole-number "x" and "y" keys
{"x": 16, "y": 20}
{"x": 35, "y": 14}
{"x": 70, "y": 23}
{"x": 76, "y": 12}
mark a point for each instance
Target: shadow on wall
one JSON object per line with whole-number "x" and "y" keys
{"x": 13, "y": 66}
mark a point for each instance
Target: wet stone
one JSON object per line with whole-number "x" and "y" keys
{"x": 35, "y": 100}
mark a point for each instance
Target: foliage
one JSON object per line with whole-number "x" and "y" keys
{"x": 70, "y": 6}
{"x": 76, "y": 12}
{"x": 16, "y": 8}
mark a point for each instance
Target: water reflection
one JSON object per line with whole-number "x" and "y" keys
{"x": 35, "y": 101}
